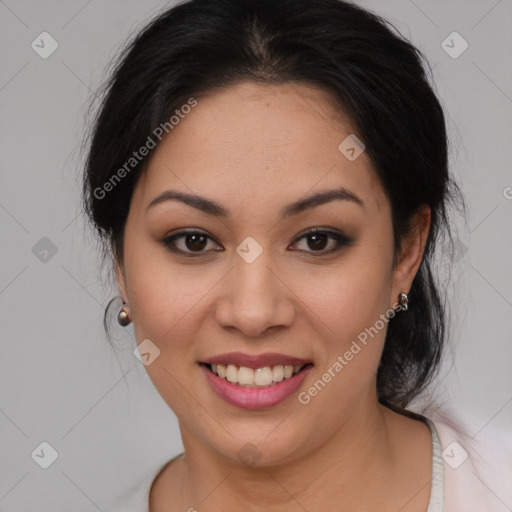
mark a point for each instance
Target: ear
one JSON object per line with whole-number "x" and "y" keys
{"x": 120, "y": 279}
{"x": 411, "y": 254}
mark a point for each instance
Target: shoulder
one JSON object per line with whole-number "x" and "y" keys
{"x": 477, "y": 465}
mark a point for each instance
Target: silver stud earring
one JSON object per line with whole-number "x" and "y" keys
{"x": 403, "y": 300}
{"x": 123, "y": 316}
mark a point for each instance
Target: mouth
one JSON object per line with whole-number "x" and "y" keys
{"x": 255, "y": 382}
{"x": 257, "y": 378}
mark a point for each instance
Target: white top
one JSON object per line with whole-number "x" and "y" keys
{"x": 456, "y": 484}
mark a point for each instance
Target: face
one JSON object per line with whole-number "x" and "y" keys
{"x": 243, "y": 275}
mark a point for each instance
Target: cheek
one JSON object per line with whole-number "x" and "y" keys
{"x": 349, "y": 298}
{"x": 349, "y": 301}
{"x": 162, "y": 295}
{"x": 351, "y": 307}
{"x": 163, "y": 305}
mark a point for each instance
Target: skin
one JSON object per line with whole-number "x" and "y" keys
{"x": 254, "y": 149}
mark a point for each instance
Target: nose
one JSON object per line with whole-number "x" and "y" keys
{"x": 255, "y": 298}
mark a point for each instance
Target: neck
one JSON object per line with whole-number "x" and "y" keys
{"x": 341, "y": 467}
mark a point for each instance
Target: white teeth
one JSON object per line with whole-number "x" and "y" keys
{"x": 221, "y": 370}
{"x": 232, "y": 373}
{"x": 278, "y": 373}
{"x": 245, "y": 376}
{"x": 263, "y": 376}
{"x": 260, "y": 377}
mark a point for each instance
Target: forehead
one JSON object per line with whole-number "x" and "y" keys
{"x": 250, "y": 141}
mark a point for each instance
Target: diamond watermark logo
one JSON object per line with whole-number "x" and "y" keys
{"x": 44, "y": 250}
{"x": 454, "y": 45}
{"x": 249, "y": 454}
{"x": 351, "y": 147}
{"x": 146, "y": 352}
{"x": 454, "y": 455}
{"x": 44, "y": 455}
{"x": 44, "y": 45}
{"x": 249, "y": 249}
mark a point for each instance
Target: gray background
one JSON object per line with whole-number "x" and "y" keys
{"x": 60, "y": 381}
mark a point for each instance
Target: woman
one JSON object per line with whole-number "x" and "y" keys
{"x": 271, "y": 180}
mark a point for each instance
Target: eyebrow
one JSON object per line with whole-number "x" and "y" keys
{"x": 211, "y": 207}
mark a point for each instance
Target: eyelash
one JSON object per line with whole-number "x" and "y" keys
{"x": 341, "y": 239}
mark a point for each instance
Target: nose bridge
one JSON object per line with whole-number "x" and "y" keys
{"x": 255, "y": 299}
{"x": 254, "y": 278}
{"x": 253, "y": 288}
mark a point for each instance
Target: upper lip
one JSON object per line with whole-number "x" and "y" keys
{"x": 256, "y": 361}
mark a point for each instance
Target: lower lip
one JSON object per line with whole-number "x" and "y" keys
{"x": 254, "y": 398}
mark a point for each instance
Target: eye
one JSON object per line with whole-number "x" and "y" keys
{"x": 196, "y": 241}
{"x": 317, "y": 239}
{"x": 191, "y": 241}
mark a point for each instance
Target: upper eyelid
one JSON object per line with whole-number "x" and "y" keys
{"x": 308, "y": 231}
{"x": 330, "y": 232}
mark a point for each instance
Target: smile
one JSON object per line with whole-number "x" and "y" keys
{"x": 265, "y": 377}
{"x": 255, "y": 382}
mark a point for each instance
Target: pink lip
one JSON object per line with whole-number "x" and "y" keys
{"x": 256, "y": 361}
{"x": 254, "y": 398}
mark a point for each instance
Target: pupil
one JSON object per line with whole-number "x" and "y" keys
{"x": 198, "y": 242}
{"x": 318, "y": 239}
